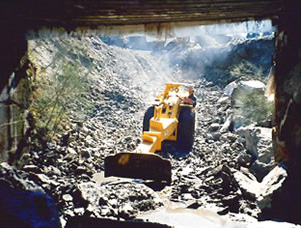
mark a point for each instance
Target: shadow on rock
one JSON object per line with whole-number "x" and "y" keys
{"x": 170, "y": 148}
{"x": 156, "y": 186}
{"x": 27, "y": 209}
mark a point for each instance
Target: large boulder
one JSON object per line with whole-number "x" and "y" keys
{"x": 261, "y": 192}
{"x": 259, "y": 145}
{"x": 247, "y": 183}
{"x": 271, "y": 184}
{"x": 248, "y": 103}
{"x": 237, "y": 89}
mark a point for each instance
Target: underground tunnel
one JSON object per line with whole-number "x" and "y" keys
{"x": 116, "y": 19}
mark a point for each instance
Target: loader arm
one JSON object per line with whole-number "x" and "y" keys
{"x": 160, "y": 130}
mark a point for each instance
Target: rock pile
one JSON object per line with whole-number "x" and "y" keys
{"x": 119, "y": 200}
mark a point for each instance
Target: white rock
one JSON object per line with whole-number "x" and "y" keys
{"x": 227, "y": 124}
{"x": 186, "y": 171}
{"x": 72, "y": 151}
{"x": 270, "y": 184}
{"x": 55, "y": 170}
{"x": 259, "y": 144}
{"x": 229, "y": 88}
{"x": 113, "y": 202}
{"x": 79, "y": 211}
{"x": 261, "y": 191}
{"x": 250, "y": 188}
{"x": 43, "y": 178}
{"x": 63, "y": 221}
{"x": 223, "y": 100}
{"x": 246, "y": 87}
{"x": 67, "y": 197}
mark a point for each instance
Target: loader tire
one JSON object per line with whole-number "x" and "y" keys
{"x": 147, "y": 116}
{"x": 186, "y": 125}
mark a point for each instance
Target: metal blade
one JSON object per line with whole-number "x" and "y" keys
{"x": 138, "y": 165}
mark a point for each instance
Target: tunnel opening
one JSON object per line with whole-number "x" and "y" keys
{"x": 85, "y": 86}
{"x": 286, "y": 119}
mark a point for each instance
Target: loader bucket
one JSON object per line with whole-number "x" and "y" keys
{"x": 138, "y": 165}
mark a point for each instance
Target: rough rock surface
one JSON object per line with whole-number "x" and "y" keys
{"x": 119, "y": 199}
{"x": 259, "y": 145}
{"x": 236, "y": 89}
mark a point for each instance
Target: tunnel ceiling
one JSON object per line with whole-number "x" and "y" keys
{"x": 71, "y": 14}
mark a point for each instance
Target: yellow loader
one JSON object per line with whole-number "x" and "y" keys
{"x": 168, "y": 119}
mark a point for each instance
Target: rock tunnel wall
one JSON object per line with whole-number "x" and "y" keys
{"x": 14, "y": 101}
{"x": 14, "y": 90}
{"x": 287, "y": 117}
{"x": 287, "y": 59}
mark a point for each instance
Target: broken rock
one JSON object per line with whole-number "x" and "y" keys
{"x": 259, "y": 144}
{"x": 270, "y": 184}
{"x": 249, "y": 187}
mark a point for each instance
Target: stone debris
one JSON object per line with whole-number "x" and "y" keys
{"x": 119, "y": 199}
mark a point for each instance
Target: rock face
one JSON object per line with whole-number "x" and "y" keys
{"x": 13, "y": 115}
